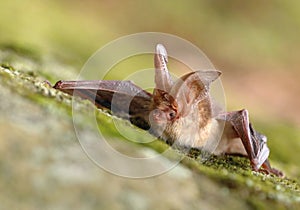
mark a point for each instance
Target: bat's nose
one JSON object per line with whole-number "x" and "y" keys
{"x": 157, "y": 114}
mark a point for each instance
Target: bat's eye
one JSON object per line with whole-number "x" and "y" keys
{"x": 172, "y": 115}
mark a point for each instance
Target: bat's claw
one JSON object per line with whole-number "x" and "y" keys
{"x": 277, "y": 172}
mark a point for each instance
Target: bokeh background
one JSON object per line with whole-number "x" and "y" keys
{"x": 254, "y": 43}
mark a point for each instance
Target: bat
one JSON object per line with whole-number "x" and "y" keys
{"x": 179, "y": 112}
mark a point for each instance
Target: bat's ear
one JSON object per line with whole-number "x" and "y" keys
{"x": 207, "y": 77}
{"x": 192, "y": 88}
{"x": 163, "y": 79}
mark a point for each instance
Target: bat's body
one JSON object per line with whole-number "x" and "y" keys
{"x": 180, "y": 112}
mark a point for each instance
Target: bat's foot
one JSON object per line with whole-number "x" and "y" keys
{"x": 277, "y": 172}
{"x": 267, "y": 169}
{"x": 273, "y": 171}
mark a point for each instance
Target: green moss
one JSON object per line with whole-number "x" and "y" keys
{"x": 235, "y": 173}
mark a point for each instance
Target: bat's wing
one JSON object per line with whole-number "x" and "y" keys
{"x": 123, "y": 98}
{"x": 254, "y": 143}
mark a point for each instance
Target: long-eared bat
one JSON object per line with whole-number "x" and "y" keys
{"x": 179, "y": 112}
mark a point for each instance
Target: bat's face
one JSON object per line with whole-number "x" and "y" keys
{"x": 184, "y": 114}
{"x": 164, "y": 113}
{"x": 165, "y": 108}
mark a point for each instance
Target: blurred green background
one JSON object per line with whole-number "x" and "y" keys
{"x": 255, "y": 44}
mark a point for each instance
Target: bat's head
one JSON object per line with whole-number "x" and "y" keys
{"x": 186, "y": 108}
{"x": 165, "y": 106}
{"x": 182, "y": 106}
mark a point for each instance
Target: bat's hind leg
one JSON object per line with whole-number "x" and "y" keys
{"x": 254, "y": 143}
